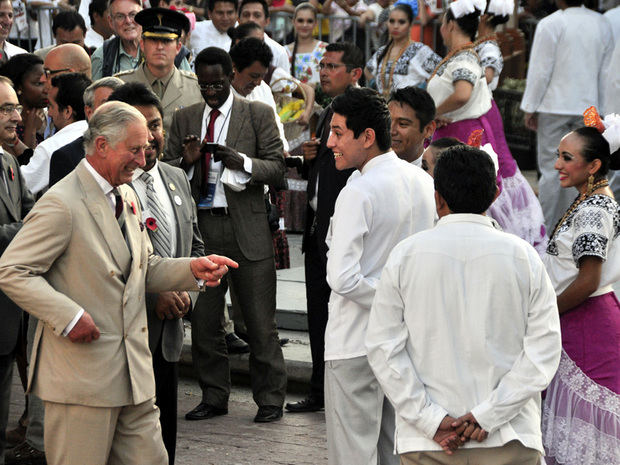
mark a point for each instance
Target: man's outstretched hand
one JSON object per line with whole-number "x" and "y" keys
{"x": 212, "y": 268}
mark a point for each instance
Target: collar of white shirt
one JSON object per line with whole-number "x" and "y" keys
{"x": 391, "y": 155}
{"x": 224, "y": 108}
{"x": 105, "y": 186}
{"x": 465, "y": 218}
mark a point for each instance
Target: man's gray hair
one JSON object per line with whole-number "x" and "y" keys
{"x": 110, "y": 82}
{"x": 110, "y": 121}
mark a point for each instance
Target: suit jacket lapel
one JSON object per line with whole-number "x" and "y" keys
{"x": 98, "y": 206}
{"x": 237, "y": 119}
{"x": 10, "y": 183}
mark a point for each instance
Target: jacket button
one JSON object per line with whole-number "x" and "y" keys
{"x": 144, "y": 330}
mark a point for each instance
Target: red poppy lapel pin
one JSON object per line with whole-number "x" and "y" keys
{"x": 133, "y": 208}
{"x": 151, "y": 224}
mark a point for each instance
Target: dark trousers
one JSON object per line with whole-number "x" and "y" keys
{"x": 255, "y": 287}
{"x": 317, "y": 297}
{"x": 166, "y": 388}
{"x": 6, "y": 378}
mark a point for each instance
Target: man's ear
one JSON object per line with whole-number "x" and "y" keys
{"x": 142, "y": 45}
{"x": 429, "y": 129}
{"x": 68, "y": 112}
{"x": 101, "y": 146}
{"x": 356, "y": 75}
{"x": 179, "y": 45}
{"x": 369, "y": 137}
{"x": 88, "y": 112}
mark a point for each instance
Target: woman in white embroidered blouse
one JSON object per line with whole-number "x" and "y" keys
{"x": 401, "y": 62}
{"x": 581, "y": 414}
{"x": 305, "y": 52}
{"x": 460, "y": 91}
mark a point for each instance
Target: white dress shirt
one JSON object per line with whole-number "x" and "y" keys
{"x": 380, "y": 206}
{"x": 570, "y": 52}
{"x": 464, "y": 320}
{"x": 204, "y": 35}
{"x": 11, "y": 50}
{"x": 611, "y": 86}
{"x": 93, "y": 38}
{"x": 37, "y": 171}
{"x": 280, "y": 57}
{"x": 164, "y": 199}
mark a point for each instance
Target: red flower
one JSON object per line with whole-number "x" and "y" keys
{"x": 151, "y": 224}
{"x": 133, "y": 208}
{"x": 12, "y": 173}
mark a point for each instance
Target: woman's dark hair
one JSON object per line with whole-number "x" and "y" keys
{"x": 409, "y": 13}
{"x": 494, "y": 20}
{"x": 465, "y": 178}
{"x": 242, "y": 31}
{"x": 247, "y": 51}
{"x": 19, "y": 66}
{"x": 596, "y": 146}
{"x": 467, "y": 23}
{"x": 302, "y": 6}
{"x": 364, "y": 109}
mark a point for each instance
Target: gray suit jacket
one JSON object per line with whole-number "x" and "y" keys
{"x": 252, "y": 130}
{"x": 14, "y": 206}
{"x": 189, "y": 243}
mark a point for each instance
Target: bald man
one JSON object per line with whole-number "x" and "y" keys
{"x": 65, "y": 58}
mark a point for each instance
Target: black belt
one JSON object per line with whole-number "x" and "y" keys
{"x": 217, "y": 211}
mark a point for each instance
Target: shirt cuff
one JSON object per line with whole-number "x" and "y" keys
{"x": 73, "y": 322}
{"x": 190, "y": 172}
{"x": 247, "y": 163}
{"x": 430, "y": 419}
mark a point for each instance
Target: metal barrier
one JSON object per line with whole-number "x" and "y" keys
{"x": 37, "y": 10}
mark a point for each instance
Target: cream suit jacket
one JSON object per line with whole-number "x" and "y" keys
{"x": 71, "y": 254}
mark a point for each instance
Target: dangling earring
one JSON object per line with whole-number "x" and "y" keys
{"x": 590, "y": 187}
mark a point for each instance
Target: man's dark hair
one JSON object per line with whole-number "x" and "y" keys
{"x": 211, "y": 4}
{"x": 419, "y": 100}
{"x": 249, "y": 50}
{"x": 137, "y": 94}
{"x": 71, "y": 87}
{"x": 242, "y": 31}
{"x": 446, "y": 142}
{"x": 570, "y": 3}
{"x": 263, "y": 3}
{"x": 68, "y": 20}
{"x": 352, "y": 55}
{"x": 214, "y": 56}
{"x": 465, "y": 178}
{"x": 364, "y": 108}
{"x": 97, "y": 6}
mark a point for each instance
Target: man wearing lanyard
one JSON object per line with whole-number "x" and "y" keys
{"x": 240, "y": 152}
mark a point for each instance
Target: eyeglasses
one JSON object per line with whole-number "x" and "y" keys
{"x": 333, "y": 66}
{"x": 9, "y": 108}
{"x": 214, "y": 87}
{"x": 49, "y": 72}
{"x": 121, "y": 17}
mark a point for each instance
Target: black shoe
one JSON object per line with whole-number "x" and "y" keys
{"x": 268, "y": 413}
{"x": 205, "y": 411}
{"x": 23, "y": 454}
{"x": 236, "y": 345}
{"x": 283, "y": 341}
{"x": 309, "y": 404}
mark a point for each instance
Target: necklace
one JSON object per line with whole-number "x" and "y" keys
{"x": 387, "y": 86}
{"x": 487, "y": 38}
{"x": 467, "y": 46}
{"x": 580, "y": 198}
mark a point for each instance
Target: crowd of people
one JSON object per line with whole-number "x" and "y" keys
{"x": 455, "y": 316}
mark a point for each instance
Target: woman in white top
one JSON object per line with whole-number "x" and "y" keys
{"x": 305, "y": 52}
{"x": 581, "y": 413}
{"x": 401, "y": 62}
{"x": 463, "y": 101}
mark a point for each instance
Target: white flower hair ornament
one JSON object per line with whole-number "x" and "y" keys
{"x": 609, "y": 127}
{"x": 501, "y": 7}
{"x": 461, "y": 8}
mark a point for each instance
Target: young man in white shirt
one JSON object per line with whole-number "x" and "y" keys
{"x": 384, "y": 202}
{"x": 464, "y": 331}
{"x": 213, "y": 32}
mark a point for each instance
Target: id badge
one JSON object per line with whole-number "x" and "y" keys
{"x": 207, "y": 200}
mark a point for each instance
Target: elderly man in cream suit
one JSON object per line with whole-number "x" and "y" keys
{"x": 81, "y": 264}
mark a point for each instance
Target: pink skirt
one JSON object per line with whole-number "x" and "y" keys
{"x": 581, "y": 411}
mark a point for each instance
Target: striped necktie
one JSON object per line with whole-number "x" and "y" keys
{"x": 160, "y": 236}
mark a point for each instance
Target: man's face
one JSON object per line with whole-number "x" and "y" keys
{"x": 160, "y": 53}
{"x": 214, "y": 84}
{"x": 53, "y": 66}
{"x": 429, "y": 159}
{"x": 75, "y": 36}
{"x": 122, "y": 19}
{"x": 334, "y": 75}
{"x": 60, "y": 117}
{"x": 155, "y": 126}
{"x": 348, "y": 151}
{"x": 223, "y": 16}
{"x": 253, "y": 12}
{"x": 119, "y": 161}
{"x": 100, "y": 97}
{"x": 407, "y": 136}
{"x": 245, "y": 81}
{"x": 6, "y": 19}
{"x": 10, "y": 120}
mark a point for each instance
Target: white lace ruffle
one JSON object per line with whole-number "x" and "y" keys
{"x": 580, "y": 419}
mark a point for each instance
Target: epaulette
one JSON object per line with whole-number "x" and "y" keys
{"x": 123, "y": 73}
{"x": 189, "y": 74}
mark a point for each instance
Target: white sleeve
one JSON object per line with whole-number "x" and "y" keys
{"x": 350, "y": 224}
{"x": 37, "y": 171}
{"x": 537, "y": 363}
{"x": 386, "y": 345}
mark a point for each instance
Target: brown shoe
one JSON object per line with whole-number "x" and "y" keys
{"x": 16, "y": 436}
{"x": 24, "y": 454}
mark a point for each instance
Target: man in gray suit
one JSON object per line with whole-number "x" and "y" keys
{"x": 165, "y": 196}
{"x": 231, "y": 148}
{"x": 15, "y": 203}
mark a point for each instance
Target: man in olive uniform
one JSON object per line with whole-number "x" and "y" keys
{"x": 161, "y": 29}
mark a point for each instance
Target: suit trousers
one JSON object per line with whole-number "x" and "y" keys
{"x": 6, "y": 380}
{"x": 317, "y": 298}
{"x": 79, "y": 435}
{"x": 36, "y": 410}
{"x": 166, "y": 388}
{"x": 511, "y": 453}
{"x": 255, "y": 287}
{"x": 360, "y": 420}
{"x": 554, "y": 199}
